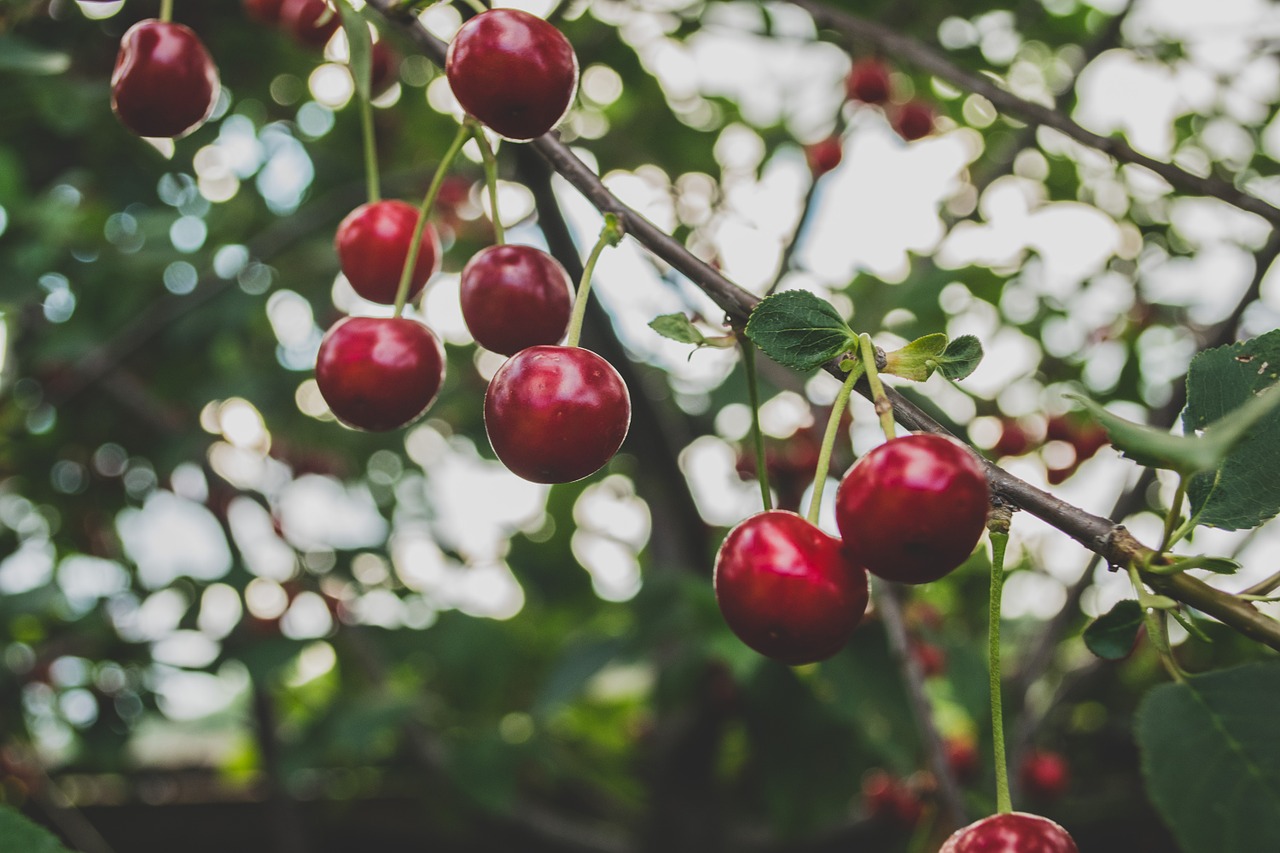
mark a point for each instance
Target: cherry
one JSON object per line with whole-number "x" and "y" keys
{"x": 513, "y": 71}
{"x": 385, "y": 68}
{"x": 787, "y": 589}
{"x": 824, "y": 156}
{"x": 165, "y": 82}
{"x": 379, "y": 373}
{"x": 868, "y": 81}
{"x": 1044, "y": 774}
{"x": 1013, "y": 441}
{"x": 890, "y": 798}
{"x": 263, "y": 11}
{"x": 1015, "y": 832}
{"x": 373, "y": 244}
{"x": 310, "y": 22}
{"x": 515, "y": 297}
{"x": 913, "y": 120}
{"x": 931, "y": 659}
{"x": 914, "y": 508}
{"x": 962, "y": 757}
{"x": 556, "y": 414}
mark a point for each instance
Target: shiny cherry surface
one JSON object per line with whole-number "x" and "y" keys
{"x": 913, "y": 508}
{"x": 513, "y": 71}
{"x": 379, "y": 373}
{"x": 1016, "y": 832}
{"x": 514, "y": 297}
{"x": 311, "y": 22}
{"x": 556, "y": 414}
{"x": 373, "y": 243}
{"x": 868, "y": 81}
{"x": 165, "y": 82}
{"x": 787, "y": 589}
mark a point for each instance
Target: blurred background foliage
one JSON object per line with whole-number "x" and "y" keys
{"x": 227, "y": 621}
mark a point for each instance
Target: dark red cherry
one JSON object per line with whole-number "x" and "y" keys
{"x": 263, "y": 11}
{"x": 556, "y": 414}
{"x": 914, "y": 508}
{"x": 373, "y": 244}
{"x": 1044, "y": 774}
{"x": 913, "y": 120}
{"x": 310, "y": 22}
{"x": 379, "y": 373}
{"x": 787, "y": 589}
{"x": 824, "y": 156}
{"x": 1015, "y": 832}
{"x": 962, "y": 757}
{"x": 165, "y": 82}
{"x": 515, "y": 297}
{"x": 868, "y": 81}
{"x": 513, "y": 71}
{"x": 385, "y": 68}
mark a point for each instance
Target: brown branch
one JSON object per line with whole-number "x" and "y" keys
{"x": 852, "y": 27}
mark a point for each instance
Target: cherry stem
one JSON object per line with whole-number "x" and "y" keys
{"x": 998, "y": 526}
{"x": 829, "y": 440}
{"x": 490, "y": 180}
{"x": 370, "y": 151}
{"x": 478, "y": 6}
{"x": 424, "y": 211}
{"x": 1171, "y": 518}
{"x": 884, "y": 409}
{"x": 610, "y": 235}
{"x": 753, "y": 393}
{"x": 166, "y": 10}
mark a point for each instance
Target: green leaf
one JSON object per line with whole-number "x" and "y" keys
{"x": 1155, "y": 448}
{"x": 961, "y": 357}
{"x": 360, "y": 46}
{"x": 18, "y": 833}
{"x": 918, "y": 359}
{"x": 1211, "y": 759}
{"x": 23, "y": 57}
{"x": 1217, "y": 565}
{"x": 799, "y": 330}
{"x": 680, "y": 328}
{"x": 1224, "y": 385}
{"x": 1111, "y": 636}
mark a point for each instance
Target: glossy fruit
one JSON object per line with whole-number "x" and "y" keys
{"x": 913, "y": 120}
{"x": 165, "y": 82}
{"x": 868, "y": 81}
{"x": 556, "y": 414}
{"x": 1016, "y": 832}
{"x": 373, "y": 244}
{"x": 515, "y": 297}
{"x": 787, "y": 589}
{"x": 263, "y": 11}
{"x": 310, "y": 22}
{"x": 914, "y": 508}
{"x": 1044, "y": 775}
{"x": 824, "y": 156}
{"x": 513, "y": 71}
{"x": 379, "y": 373}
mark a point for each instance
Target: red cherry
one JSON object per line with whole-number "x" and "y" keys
{"x": 1013, "y": 440}
{"x": 515, "y": 297}
{"x": 165, "y": 82}
{"x": 914, "y": 508}
{"x": 913, "y": 120}
{"x": 1045, "y": 774}
{"x": 824, "y": 156}
{"x": 931, "y": 659}
{"x": 787, "y": 589}
{"x": 556, "y": 414}
{"x": 310, "y": 22}
{"x": 385, "y": 68}
{"x": 868, "y": 81}
{"x": 1015, "y": 832}
{"x": 373, "y": 244}
{"x": 890, "y": 798}
{"x": 379, "y": 373}
{"x": 962, "y": 757}
{"x": 513, "y": 71}
{"x": 263, "y": 11}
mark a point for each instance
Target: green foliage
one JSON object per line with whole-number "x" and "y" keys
{"x": 799, "y": 330}
{"x": 1111, "y": 636}
{"x": 19, "y": 834}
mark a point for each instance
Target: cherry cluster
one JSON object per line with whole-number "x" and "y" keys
{"x": 311, "y": 23}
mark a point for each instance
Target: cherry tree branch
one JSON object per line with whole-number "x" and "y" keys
{"x": 854, "y": 28}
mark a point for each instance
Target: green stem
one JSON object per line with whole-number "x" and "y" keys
{"x": 610, "y": 235}
{"x": 884, "y": 409}
{"x": 370, "y": 151}
{"x": 999, "y": 541}
{"x": 166, "y": 10}
{"x": 1171, "y": 517}
{"x": 753, "y": 393}
{"x": 1157, "y": 624}
{"x": 424, "y": 211}
{"x": 478, "y": 6}
{"x": 829, "y": 441}
{"x": 490, "y": 180}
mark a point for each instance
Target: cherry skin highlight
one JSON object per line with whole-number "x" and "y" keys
{"x": 379, "y": 373}
{"x": 513, "y": 71}
{"x": 787, "y": 589}
{"x": 913, "y": 508}
{"x": 310, "y": 22}
{"x": 165, "y": 83}
{"x": 556, "y": 414}
{"x": 373, "y": 243}
{"x": 514, "y": 297}
{"x": 1015, "y": 832}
